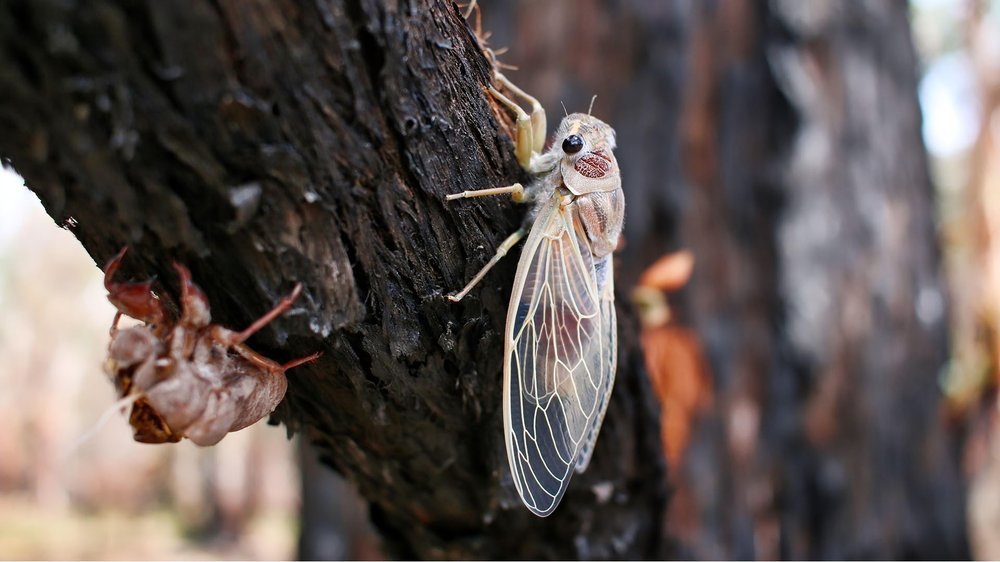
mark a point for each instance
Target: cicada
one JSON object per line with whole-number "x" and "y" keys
{"x": 560, "y": 341}
{"x": 185, "y": 376}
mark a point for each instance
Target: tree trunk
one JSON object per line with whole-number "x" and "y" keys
{"x": 780, "y": 142}
{"x": 268, "y": 143}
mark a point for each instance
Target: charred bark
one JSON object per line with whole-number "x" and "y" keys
{"x": 268, "y": 143}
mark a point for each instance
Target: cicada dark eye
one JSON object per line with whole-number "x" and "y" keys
{"x": 572, "y": 144}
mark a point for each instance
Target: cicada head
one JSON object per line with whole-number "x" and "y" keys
{"x": 132, "y": 299}
{"x": 588, "y": 162}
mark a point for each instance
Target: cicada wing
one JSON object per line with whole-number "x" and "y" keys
{"x": 607, "y": 355}
{"x": 557, "y": 372}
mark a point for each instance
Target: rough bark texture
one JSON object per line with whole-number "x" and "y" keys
{"x": 780, "y": 142}
{"x": 264, "y": 143}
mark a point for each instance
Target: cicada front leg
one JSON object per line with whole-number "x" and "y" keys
{"x": 530, "y": 128}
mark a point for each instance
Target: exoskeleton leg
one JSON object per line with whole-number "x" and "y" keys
{"x": 114, "y": 323}
{"x": 472, "y": 5}
{"x": 278, "y": 310}
{"x": 269, "y": 365}
{"x": 505, "y": 247}
{"x": 235, "y": 340}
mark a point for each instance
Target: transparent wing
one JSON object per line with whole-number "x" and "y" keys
{"x": 560, "y": 357}
{"x": 609, "y": 324}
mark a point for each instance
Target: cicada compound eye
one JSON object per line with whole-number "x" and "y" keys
{"x": 572, "y": 144}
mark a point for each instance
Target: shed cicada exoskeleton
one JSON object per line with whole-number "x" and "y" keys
{"x": 560, "y": 342}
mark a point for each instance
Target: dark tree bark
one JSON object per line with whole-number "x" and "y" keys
{"x": 268, "y": 143}
{"x": 780, "y": 142}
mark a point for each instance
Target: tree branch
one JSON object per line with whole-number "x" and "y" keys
{"x": 268, "y": 143}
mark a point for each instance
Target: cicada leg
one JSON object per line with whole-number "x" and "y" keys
{"x": 473, "y": 5}
{"x": 114, "y": 323}
{"x": 278, "y": 310}
{"x": 269, "y": 365}
{"x": 537, "y": 118}
{"x": 235, "y": 340}
{"x": 516, "y": 193}
{"x": 505, "y": 247}
{"x": 529, "y": 143}
{"x": 530, "y": 128}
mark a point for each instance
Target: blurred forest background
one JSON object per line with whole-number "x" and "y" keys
{"x": 62, "y": 496}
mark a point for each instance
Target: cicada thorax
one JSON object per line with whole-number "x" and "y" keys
{"x": 595, "y": 171}
{"x": 599, "y": 203}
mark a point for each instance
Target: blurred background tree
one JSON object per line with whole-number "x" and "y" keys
{"x": 814, "y": 407}
{"x": 960, "y": 92}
